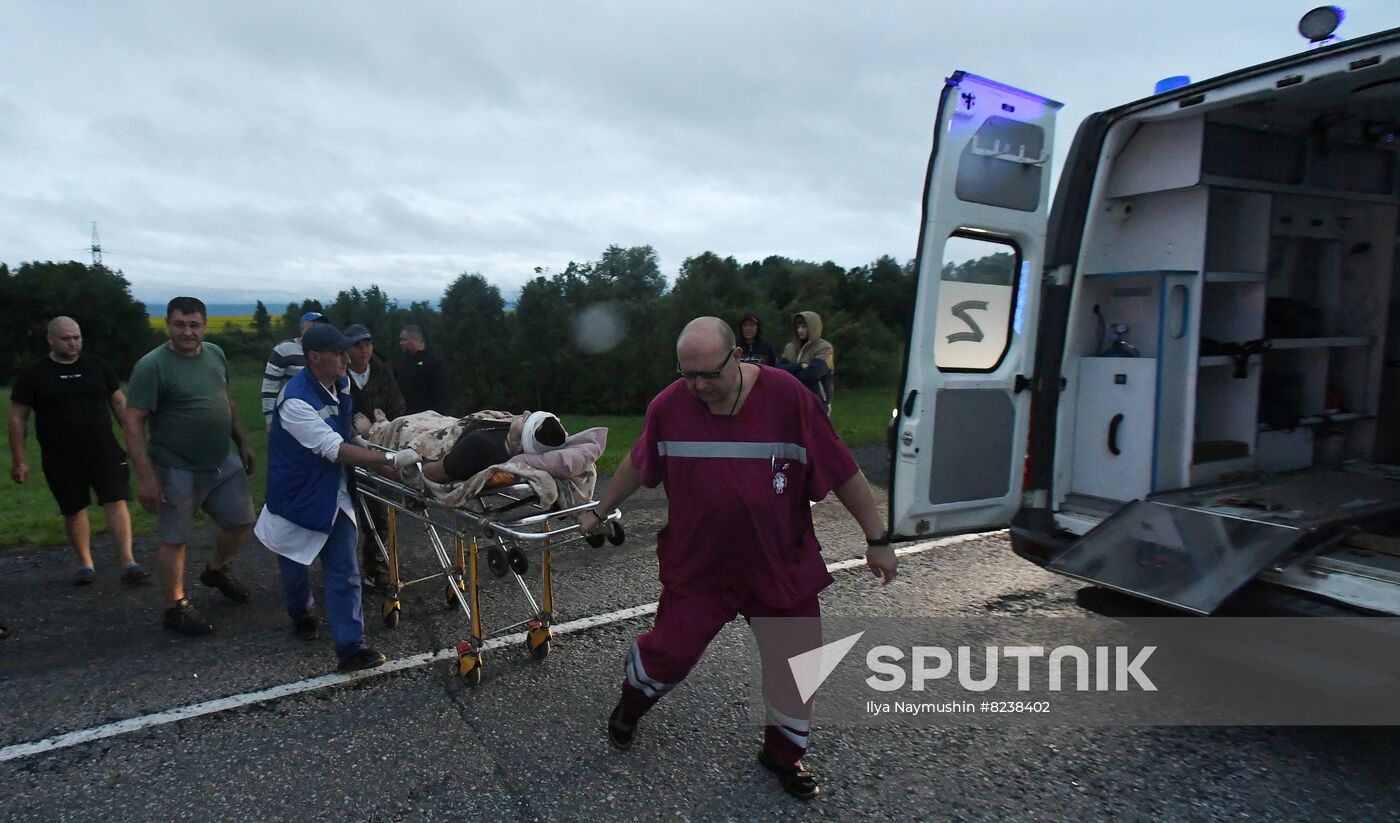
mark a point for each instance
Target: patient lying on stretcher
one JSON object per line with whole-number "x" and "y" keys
{"x": 486, "y": 443}
{"x": 461, "y": 457}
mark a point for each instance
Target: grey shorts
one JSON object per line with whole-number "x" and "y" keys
{"x": 223, "y": 494}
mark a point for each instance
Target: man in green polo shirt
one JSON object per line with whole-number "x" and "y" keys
{"x": 178, "y": 395}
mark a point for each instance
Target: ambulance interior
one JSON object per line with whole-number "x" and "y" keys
{"x": 1232, "y": 347}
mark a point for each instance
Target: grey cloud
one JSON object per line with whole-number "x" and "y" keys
{"x": 336, "y": 144}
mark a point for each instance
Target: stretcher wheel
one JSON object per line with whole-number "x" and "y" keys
{"x": 468, "y": 663}
{"x": 541, "y": 651}
{"x": 470, "y": 669}
{"x": 595, "y": 540}
{"x": 518, "y": 562}
{"x": 617, "y": 535}
{"x": 538, "y": 643}
{"x": 391, "y": 614}
{"x": 496, "y": 561}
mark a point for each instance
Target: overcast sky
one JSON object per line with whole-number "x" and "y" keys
{"x": 250, "y": 150}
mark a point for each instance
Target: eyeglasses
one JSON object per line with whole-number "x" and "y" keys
{"x": 708, "y": 375}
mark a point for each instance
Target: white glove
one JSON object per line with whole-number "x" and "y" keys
{"x": 361, "y": 424}
{"x": 404, "y": 458}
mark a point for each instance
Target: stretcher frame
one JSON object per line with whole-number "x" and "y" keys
{"x": 497, "y": 526}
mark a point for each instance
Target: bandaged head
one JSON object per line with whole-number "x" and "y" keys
{"x": 541, "y": 433}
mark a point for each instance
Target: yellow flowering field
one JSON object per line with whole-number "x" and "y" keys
{"x": 216, "y": 324}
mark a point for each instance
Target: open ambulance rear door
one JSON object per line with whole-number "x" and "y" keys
{"x": 962, "y": 421}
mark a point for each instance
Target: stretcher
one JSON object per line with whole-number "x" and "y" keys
{"x": 505, "y": 524}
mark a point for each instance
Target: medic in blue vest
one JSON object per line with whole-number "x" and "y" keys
{"x": 308, "y": 513}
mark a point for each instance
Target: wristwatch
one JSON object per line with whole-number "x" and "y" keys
{"x": 882, "y": 540}
{"x": 389, "y": 458}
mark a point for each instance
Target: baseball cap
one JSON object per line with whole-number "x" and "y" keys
{"x": 356, "y": 332}
{"x": 314, "y": 317}
{"x": 324, "y": 337}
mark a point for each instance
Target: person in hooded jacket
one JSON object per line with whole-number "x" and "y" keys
{"x": 756, "y": 349}
{"x": 810, "y": 358}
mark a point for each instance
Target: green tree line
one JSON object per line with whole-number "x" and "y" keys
{"x": 597, "y": 337}
{"x": 114, "y": 324}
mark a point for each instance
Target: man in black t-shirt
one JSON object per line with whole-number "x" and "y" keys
{"x": 482, "y": 443}
{"x": 421, "y": 374}
{"x": 71, "y": 394}
{"x": 486, "y": 443}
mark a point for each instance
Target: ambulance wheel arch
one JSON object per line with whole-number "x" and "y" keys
{"x": 960, "y": 428}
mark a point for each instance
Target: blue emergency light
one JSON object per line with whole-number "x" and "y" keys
{"x": 1166, "y": 84}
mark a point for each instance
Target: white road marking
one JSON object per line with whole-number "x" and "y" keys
{"x": 223, "y": 704}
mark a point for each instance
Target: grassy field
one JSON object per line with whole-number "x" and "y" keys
{"x": 862, "y": 415}
{"x": 28, "y": 514}
{"x": 216, "y": 325}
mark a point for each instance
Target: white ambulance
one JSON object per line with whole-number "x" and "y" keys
{"x": 1179, "y": 380}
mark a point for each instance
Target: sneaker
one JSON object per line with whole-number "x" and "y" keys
{"x": 374, "y": 580}
{"x": 135, "y": 573}
{"x": 226, "y": 583}
{"x": 306, "y": 627}
{"x": 84, "y": 576}
{"x": 620, "y": 734}
{"x": 361, "y": 660}
{"x": 799, "y": 783}
{"x": 183, "y": 618}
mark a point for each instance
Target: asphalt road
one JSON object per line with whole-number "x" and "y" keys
{"x": 528, "y": 743}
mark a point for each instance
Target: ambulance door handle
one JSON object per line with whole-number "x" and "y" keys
{"x": 1113, "y": 434}
{"x": 1181, "y": 301}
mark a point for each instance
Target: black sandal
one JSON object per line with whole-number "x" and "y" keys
{"x": 800, "y": 783}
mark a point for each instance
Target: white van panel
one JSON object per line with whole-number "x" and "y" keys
{"x": 1114, "y": 420}
{"x": 962, "y": 422}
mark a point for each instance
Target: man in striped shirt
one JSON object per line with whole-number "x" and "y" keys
{"x": 286, "y": 360}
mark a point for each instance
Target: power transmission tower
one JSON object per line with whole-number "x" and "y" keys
{"x": 96, "y": 247}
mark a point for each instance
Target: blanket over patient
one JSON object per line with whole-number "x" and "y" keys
{"x": 564, "y": 476}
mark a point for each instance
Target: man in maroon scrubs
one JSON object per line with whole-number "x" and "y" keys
{"x": 742, "y": 449}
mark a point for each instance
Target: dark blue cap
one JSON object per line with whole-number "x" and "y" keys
{"x": 324, "y": 337}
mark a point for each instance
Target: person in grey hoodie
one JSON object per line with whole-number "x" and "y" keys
{"x": 810, "y": 358}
